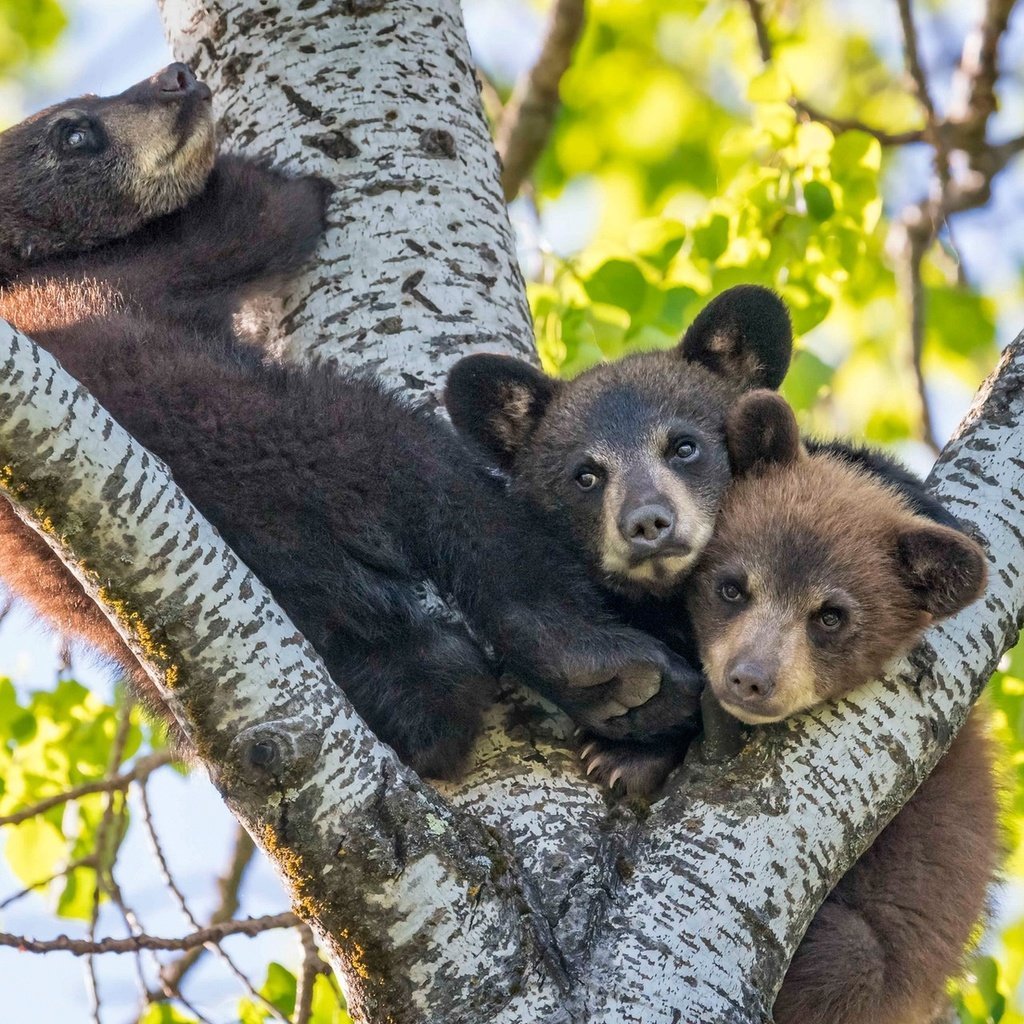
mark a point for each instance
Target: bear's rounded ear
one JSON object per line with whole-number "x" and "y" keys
{"x": 761, "y": 432}
{"x": 946, "y": 569}
{"x": 744, "y": 335}
{"x": 497, "y": 402}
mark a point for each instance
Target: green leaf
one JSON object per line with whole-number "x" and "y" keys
{"x": 617, "y": 283}
{"x": 855, "y": 151}
{"x": 165, "y": 1013}
{"x": 712, "y": 239}
{"x": 34, "y": 849}
{"x": 806, "y": 380}
{"x": 280, "y": 988}
{"x": 818, "y": 197}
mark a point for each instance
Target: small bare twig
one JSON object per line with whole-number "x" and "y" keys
{"x": 312, "y": 965}
{"x": 529, "y": 115}
{"x": 84, "y": 862}
{"x": 214, "y": 933}
{"x": 838, "y": 125}
{"x": 915, "y": 69}
{"x": 142, "y": 768}
{"x": 173, "y": 974}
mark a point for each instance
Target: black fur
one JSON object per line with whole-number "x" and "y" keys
{"x": 345, "y": 501}
{"x": 910, "y": 487}
{"x": 538, "y": 429}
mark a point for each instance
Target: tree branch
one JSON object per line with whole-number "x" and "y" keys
{"x": 380, "y": 96}
{"x": 143, "y": 768}
{"x": 977, "y": 74}
{"x": 529, "y": 115}
{"x": 362, "y": 858}
{"x": 135, "y": 943}
{"x": 808, "y": 110}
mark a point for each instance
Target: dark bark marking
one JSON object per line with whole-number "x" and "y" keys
{"x": 438, "y": 143}
{"x": 302, "y": 105}
{"x": 338, "y": 145}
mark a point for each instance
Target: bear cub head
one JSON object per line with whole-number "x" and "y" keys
{"x": 818, "y": 573}
{"x": 96, "y": 168}
{"x": 628, "y": 460}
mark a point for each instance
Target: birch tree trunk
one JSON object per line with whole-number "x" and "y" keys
{"x": 519, "y": 895}
{"x": 381, "y": 97}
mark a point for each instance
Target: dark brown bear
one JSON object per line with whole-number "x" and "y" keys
{"x": 126, "y": 246}
{"x": 628, "y": 463}
{"x": 816, "y": 577}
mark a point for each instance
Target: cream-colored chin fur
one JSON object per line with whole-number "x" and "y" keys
{"x": 167, "y": 176}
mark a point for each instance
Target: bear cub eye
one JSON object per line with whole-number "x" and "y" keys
{"x": 586, "y": 478}
{"x": 80, "y": 137}
{"x": 830, "y": 617}
{"x": 730, "y": 592}
{"x": 685, "y": 450}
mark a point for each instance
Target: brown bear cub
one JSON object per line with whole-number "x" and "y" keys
{"x": 126, "y": 246}
{"x": 817, "y": 576}
{"x": 628, "y": 463}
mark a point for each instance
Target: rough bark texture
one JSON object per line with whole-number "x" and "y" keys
{"x": 371, "y": 855}
{"x": 523, "y": 896}
{"x": 381, "y": 97}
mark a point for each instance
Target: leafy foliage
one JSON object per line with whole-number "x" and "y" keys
{"x": 698, "y": 173}
{"x": 27, "y": 28}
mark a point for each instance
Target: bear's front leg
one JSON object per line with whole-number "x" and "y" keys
{"x": 251, "y": 224}
{"x": 614, "y": 680}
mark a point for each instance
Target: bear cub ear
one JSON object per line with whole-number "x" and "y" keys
{"x": 497, "y": 402}
{"x": 761, "y": 432}
{"x": 945, "y": 568}
{"x": 744, "y": 335}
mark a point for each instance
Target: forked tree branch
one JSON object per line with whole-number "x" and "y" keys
{"x": 529, "y": 115}
{"x": 285, "y": 749}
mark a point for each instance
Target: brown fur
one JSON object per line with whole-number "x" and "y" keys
{"x": 347, "y": 502}
{"x": 799, "y": 534}
{"x": 893, "y": 932}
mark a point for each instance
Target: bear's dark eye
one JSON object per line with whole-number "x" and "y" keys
{"x": 730, "y": 592}
{"x": 586, "y": 478}
{"x": 80, "y": 137}
{"x": 830, "y": 617}
{"x": 686, "y": 450}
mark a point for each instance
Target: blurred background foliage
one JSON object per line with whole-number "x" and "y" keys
{"x": 678, "y": 166}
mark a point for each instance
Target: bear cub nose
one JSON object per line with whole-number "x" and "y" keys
{"x": 176, "y": 80}
{"x": 750, "y": 680}
{"x": 648, "y": 527}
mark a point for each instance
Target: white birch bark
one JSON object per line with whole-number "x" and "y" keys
{"x": 521, "y": 895}
{"x": 370, "y": 855}
{"x": 381, "y": 97}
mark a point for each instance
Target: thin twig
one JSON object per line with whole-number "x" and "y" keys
{"x": 215, "y": 933}
{"x": 44, "y": 882}
{"x": 838, "y": 125}
{"x": 312, "y": 966}
{"x": 100, "y": 854}
{"x": 173, "y": 974}
{"x": 915, "y": 68}
{"x": 142, "y": 768}
{"x": 229, "y": 884}
{"x": 529, "y": 115}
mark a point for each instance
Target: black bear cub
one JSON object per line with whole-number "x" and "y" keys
{"x": 819, "y": 574}
{"x": 126, "y": 246}
{"x": 628, "y": 462}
